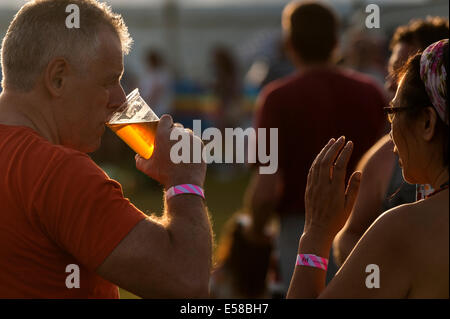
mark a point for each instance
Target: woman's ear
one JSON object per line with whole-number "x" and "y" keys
{"x": 428, "y": 123}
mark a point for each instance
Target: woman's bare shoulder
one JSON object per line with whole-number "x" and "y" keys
{"x": 428, "y": 235}
{"x": 431, "y": 211}
{"x": 421, "y": 224}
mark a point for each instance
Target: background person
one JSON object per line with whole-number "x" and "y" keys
{"x": 365, "y": 54}
{"x": 156, "y": 86}
{"x": 235, "y": 274}
{"x": 227, "y": 87}
{"x": 57, "y": 207}
{"x": 318, "y": 101}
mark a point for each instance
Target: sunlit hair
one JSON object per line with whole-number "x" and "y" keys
{"x": 421, "y": 32}
{"x": 38, "y": 34}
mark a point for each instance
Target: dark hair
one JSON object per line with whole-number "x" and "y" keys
{"x": 154, "y": 59}
{"x": 312, "y": 29}
{"x": 421, "y": 33}
{"x": 239, "y": 256}
{"x": 224, "y": 61}
{"x": 416, "y": 97}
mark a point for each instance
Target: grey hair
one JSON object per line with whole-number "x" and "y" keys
{"x": 38, "y": 34}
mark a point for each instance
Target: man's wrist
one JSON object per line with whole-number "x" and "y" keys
{"x": 183, "y": 180}
{"x": 185, "y": 206}
{"x": 186, "y": 197}
{"x": 184, "y": 189}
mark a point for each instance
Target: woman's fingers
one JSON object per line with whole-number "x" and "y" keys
{"x": 331, "y": 162}
{"x": 340, "y": 166}
{"x": 315, "y": 167}
{"x": 333, "y": 152}
{"x": 330, "y": 213}
{"x": 326, "y": 164}
{"x": 352, "y": 191}
{"x": 324, "y": 150}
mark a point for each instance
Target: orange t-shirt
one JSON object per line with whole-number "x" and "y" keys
{"x": 57, "y": 208}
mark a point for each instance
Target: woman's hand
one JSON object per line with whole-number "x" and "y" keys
{"x": 328, "y": 202}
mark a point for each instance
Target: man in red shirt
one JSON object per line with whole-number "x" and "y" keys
{"x": 58, "y": 210}
{"x": 318, "y": 102}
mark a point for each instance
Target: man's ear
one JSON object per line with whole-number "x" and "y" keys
{"x": 55, "y": 76}
{"x": 289, "y": 49}
{"x": 428, "y": 123}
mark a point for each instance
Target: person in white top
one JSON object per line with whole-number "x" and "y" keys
{"x": 156, "y": 85}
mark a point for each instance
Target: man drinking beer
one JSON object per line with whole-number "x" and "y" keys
{"x": 57, "y": 208}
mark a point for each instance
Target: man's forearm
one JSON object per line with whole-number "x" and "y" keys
{"x": 190, "y": 234}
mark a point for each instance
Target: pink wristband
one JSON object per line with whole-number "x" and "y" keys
{"x": 312, "y": 261}
{"x": 185, "y": 189}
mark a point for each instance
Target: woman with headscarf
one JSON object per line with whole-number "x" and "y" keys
{"x": 405, "y": 252}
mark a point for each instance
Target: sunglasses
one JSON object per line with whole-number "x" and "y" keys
{"x": 390, "y": 111}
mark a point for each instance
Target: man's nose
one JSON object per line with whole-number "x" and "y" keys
{"x": 117, "y": 98}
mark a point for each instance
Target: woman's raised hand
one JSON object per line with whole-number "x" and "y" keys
{"x": 328, "y": 201}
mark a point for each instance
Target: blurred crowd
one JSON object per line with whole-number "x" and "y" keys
{"x": 265, "y": 231}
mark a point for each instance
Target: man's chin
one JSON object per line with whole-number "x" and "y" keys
{"x": 90, "y": 148}
{"x": 94, "y": 147}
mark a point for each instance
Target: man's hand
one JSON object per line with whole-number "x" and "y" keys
{"x": 161, "y": 168}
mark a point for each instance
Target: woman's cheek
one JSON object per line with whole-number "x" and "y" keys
{"x": 395, "y": 137}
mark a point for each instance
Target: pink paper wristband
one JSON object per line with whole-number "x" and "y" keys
{"x": 185, "y": 189}
{"x": 312, "y": 261}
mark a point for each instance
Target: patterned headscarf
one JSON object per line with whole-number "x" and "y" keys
{"x": 434, "y": 76}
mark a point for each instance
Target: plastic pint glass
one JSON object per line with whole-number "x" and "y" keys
{"x": 135, "y": 123}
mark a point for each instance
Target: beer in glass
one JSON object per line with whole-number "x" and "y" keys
{"x": 135, "y": 123}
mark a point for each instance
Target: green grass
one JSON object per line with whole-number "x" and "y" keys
{"x": 224, "y": 194}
